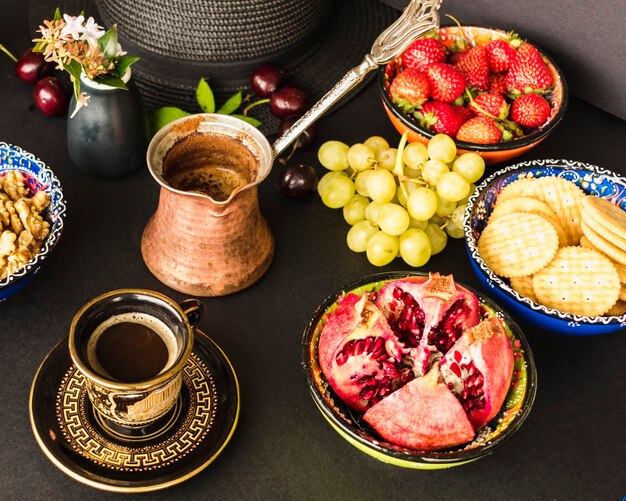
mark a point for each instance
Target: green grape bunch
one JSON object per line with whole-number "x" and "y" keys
{"x": 399, "y": 202}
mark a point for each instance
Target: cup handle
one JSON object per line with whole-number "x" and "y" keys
{"x": 193, "y": 310}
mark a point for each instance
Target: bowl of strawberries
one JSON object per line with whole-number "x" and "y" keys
{"x": 493, "y": 92}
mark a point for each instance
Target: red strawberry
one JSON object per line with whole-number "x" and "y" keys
{"x": 530, "y": 110}
{"x": 528, "y": 70}
{"x": 446, "y": 82}
{"x": 497, "y": 84}
{"x": 422, "y": 52}
{"x": 500, "y": 55}
{"x": 480, "y": 130}
{"x": 490, "y": 104}
{"x": 409, "y": 89}
{"x": 466, "y": 113}
{"x": 475, "y": 66}
{"x": 444, "y": 118}
{"x": 456, "y": 56}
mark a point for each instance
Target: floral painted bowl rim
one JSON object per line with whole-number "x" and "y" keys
{"x": 520, "y": 397}
{"x": 52, "y": 185}
{"x": 512, "y": 172}
{"x": 554, "y": 119}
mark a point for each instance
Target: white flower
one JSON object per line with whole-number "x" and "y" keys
{"x": 74, "y": 26}
{"x": 92, "y": 32}
{"x": 119, "y": 51}
{"x": 83, "y": 100}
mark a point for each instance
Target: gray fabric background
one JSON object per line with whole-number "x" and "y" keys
{"x": 586, "y": 39}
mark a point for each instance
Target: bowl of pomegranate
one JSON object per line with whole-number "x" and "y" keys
{"x": 547, "y": 239}
{"x": 493, "y": 92}
{"x": 32, "y": 212}
{"x": 418, "y": 370}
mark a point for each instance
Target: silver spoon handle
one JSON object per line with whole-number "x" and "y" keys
{"x": 350, "y": 80}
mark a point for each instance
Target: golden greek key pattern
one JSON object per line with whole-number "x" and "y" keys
{"x": 75, "y": 420}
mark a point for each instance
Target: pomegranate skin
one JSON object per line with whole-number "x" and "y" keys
{"x": 424, "y": 414}
{"x": 488, "y": 347}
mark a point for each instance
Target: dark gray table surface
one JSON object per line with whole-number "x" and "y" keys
{"x": 573, "y": 445}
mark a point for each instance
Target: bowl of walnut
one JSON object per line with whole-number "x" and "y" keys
{"x": 32, "y": 212}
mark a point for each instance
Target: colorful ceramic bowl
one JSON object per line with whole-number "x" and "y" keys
{"x": 39, "y": 177}
{"x": 492, "y": 153}
{"x": 350, "y": 425}
{"x": 592, "y": 180}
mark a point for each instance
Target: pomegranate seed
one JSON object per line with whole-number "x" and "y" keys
{"x": 397, "y": 293}
{"x": 479, "y": 380}
{"x": 390, "y": 369}
{"x": 341, "y": 358}
{"x": 457, "y": 356}
{"x": 368, "y": 392}
{"x": 471, "y": 369}
{"x": 407, "y": 299}
{"x": 450, "y": 386}
{"x": 364, "y": 379}
{"x": 456, "y": 369}
{"x": 379, "y": 344}
{"x": 367, "y": 345}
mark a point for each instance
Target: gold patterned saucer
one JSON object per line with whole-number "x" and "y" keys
{"x": 185, "y": 442}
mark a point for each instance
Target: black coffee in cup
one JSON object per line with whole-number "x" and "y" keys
{"x": 131, "y": 347}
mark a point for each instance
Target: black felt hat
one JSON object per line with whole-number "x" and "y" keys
{"x": 180, "y": 41}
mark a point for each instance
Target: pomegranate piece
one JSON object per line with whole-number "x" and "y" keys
{"x": 366, "y": 363}
{"x": 428, "y": 317}
{"x": 424, "y": 414}
{"x": 478, "y": 370}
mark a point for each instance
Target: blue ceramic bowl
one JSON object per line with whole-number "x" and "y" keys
{"x": 349, "y": 423}
{"x": 39, "y": 177}
{"x": 593, "y": 180}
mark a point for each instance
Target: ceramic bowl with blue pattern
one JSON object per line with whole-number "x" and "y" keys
{"x": 592, "y": 180}
{"x": 38, "y": 177}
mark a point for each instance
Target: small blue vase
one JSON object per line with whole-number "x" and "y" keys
{"x": 108, "y": 137}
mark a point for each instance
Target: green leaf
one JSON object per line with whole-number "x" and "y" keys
{"x": 57, "y": 15}
{"x": 165, "y": 115}
{"x": 39, "y": 47}
{"x": 205, "y": 97}
{"x": 112, "y": 82}
{"x": 108, "y": 42}
{"x": 251, "y": 120}
{"x": 232, "y": 104}
{"x": 123, "y": 63}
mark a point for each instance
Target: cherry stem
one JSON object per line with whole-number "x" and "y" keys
{"x": 6, "y": 51}
{"x": 252, "y": 105}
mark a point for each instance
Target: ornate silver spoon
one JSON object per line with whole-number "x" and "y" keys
{"x": 419, "y": 17}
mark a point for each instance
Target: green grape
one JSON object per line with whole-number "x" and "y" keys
{"x": 415, "y": 155}
{"x": 387, "y": 158}
{"x": 412, "y": 173}
{"x": 420, "y": 225}
{"x": 393, "y": 219}
{"x": 433, "y": 170}
{"x": 438, "y": 220}
{"x": 371, "y": 212}
{"x": 354, "y": 210}
{"x": 452, "y": 186}
{"x": 444, "y": 206}
{"x": 415, "y": 247}
{"x": 360, "y": 182}
{"x": 470, "y": 165}
{"x": 337, "y": 192}
{"x": 359, "y": 235}
{"x": 458, "y": 215}
{"x": 422, "y": 203}
{"x": 382, "y": 248}
{"x": 334, "y": 155}
{"x": 465, "y": 200}
{"x": 381, "y": 186}
{"x": 361, "y": 157}
{"x": 438, "y": 238}
{"x": 453, "y": 230}
{"x": 442, "y": 147}
{"x": 377, "y": 144}
{"x": 327, "y": 177}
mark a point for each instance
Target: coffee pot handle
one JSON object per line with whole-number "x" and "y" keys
{"x": 193, "y": 310}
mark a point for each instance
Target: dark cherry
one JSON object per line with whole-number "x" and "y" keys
{"x": 298, "y": 180}
{"x": 306, "y": 138}
{"x": 266, "y": 80}
{"x": 288, "y": 101}
{"x": 32, "y": 67}
{"x": 50, "y": 97}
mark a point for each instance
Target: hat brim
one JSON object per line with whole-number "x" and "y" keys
{"x": 351, "y": 29}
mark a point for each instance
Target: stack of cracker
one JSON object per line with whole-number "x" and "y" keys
{"x": 558, "y": 247}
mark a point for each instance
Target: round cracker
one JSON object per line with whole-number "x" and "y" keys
{"x": 618, "y": 309}
{"x": 516, "y": 188}
{"x": 516, "y": 245}
{"x": 603, "y": 245}
{"x": 621, "y": 269}
{"x": 622, "y": 293}
{"x": 596, "y": 225}
{"x": 607, "y": 214}
{"x": 579, "y": 281}
{"x": 524, "y": 287}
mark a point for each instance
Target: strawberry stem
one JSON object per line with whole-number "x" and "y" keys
{"x": 6, "y": 51}
{"x": 478, "y": 107}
